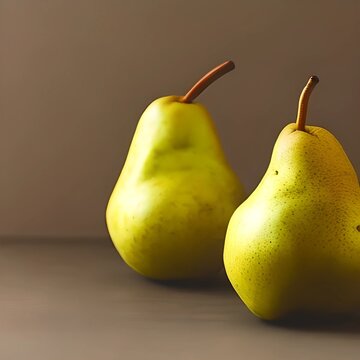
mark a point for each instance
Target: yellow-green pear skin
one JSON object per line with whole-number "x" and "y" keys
{"x": 170, "y": 208}
{"x": 294, "y": 245}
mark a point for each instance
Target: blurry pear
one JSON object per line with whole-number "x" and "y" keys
{"x": 168, "y": 213}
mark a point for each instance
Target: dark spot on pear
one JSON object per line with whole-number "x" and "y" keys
{"x": 358, "y": 228}
{"x": 276, "y": 172}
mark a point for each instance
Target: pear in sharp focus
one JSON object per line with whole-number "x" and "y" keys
{"x": 168, "y": 213}
{"x": 294, "y": 245}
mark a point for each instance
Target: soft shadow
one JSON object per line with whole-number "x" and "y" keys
{"x": 219, "y": 283}
{"x": 347, "y": 324}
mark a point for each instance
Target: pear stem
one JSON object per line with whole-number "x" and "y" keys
{"x": 304, "y": 101}
{"x": 207, "y": 80}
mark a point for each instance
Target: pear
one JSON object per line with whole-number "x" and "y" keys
{"x": 168, "y": 213}
{"x": 293, "y": 247}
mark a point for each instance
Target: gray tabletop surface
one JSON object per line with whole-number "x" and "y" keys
{"x": 76, "y": 299}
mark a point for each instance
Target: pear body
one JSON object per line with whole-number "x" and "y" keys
{"x": 168, "y": 213}
{"x": 294, "y": 245}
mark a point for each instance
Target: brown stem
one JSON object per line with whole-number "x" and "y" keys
{"x": 303, "y": 102}
{"x": 207, "y": 80}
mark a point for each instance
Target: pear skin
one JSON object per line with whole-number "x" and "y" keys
{"x": 168, "y": 213}
{"x": 294, "y": 245}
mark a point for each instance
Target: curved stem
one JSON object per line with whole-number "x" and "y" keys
{"x": 207, "y": 80}
{"x": 303, "y": 102}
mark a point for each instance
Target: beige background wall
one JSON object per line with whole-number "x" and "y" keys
{"x": 76, "y": 75}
